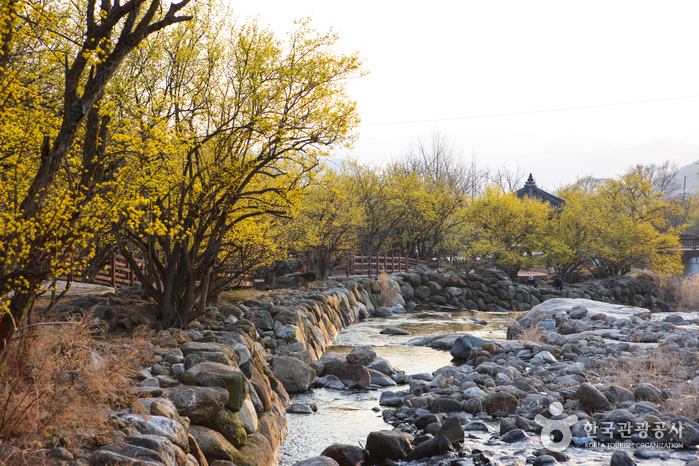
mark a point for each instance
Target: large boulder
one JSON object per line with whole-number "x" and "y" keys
{"x": 257, "y": 452}
{"x": 213, "y": 374}
{"x": 294, "y": 374}
{"x": 500, "y": 404}
{"x": 197, "y": 403}
{"x": 449, "y": 434}
{"x": 591, "y": 398}
{"x": 317, "y": 461}
{"x": 355, "y": 376}
{"x": 422, "y": 292}
{"x": 387, "y": 445}
{"x": 462, "y": 346}
{"x": 192, "y": 347}
{"x": 361, "y": 355}
{"x": 213, "y": 445}
{"x": 227, "y": 423}
{"x": 332, "y": 363}
{"x": 346, "y": 455}
{"x": 159, "y": 425}
{"x": 262, "y": 320}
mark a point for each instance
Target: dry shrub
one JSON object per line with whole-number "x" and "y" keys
{"x": 663, "y": 368}
{"x": 689, "y": 292}
{"x": 534, "y": 334}
{"x": 238, "y": 296}
{"x": 659, "y": 368}
{"x": 60, "y": 380}
{"x": 388, "y": 293}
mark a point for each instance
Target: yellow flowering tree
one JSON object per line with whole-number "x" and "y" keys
{"x": 235, "y": 121}
{"x": 59, "y": 185}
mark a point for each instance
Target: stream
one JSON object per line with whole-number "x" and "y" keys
{"x": 347, "y": 417}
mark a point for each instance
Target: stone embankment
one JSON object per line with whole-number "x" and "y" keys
{"x": 218, "y": 391}
{"x": 494, "y": 291}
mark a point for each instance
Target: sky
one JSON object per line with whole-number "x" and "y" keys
{"x": 438, "y": 62}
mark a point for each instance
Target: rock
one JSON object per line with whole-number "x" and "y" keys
{"x": 126, "y": 454}
{"x": 394, "y": 331}
{"x": 462, "y": 346}
{"x": 355, "y": 376}
{"x": 577, "y": 312}
{"x": 227, "y": 423}
{"x": 514, "y": 435}
{"x": 317, "y": 461}
{"x": 577, "y": 368}
{"x": 514, "y": 331}
{"x": 299, "y": 408}
{"x": 208, "y": 347}
{"x": 248, "y": 416}
{"x": 648, "y": 392}
{"x": 500, "y": 404}
{"x": 389, "y": 398}
{"x": 449, "y": 434}
{"x": 165, "y": 449}
{"x": 591, "y": 398}
{"x": 346, "y": 455}
{"x": 387, "y": 445}
{"x": 262, "y": 320}
{"x": 257, "y": 452}
{"x": 621, "y": 458}
{"x": 382, "y": 312}
{"x": 422, "y": 292}
{"x": 197, "y": 403}
{"x": 446, "y": 404}
{"x": 361, "y": 355}
{"x": 620, "y": 394}
{"x": 213, "y": 445}
{"x": 161, "y": 426}
{"x": 332, "y": 363}
{"x": 380, "y": 379}
{"x": 329, "y": 381}
{"x": 213, "y": 374}
{"x": 294, "y": 374}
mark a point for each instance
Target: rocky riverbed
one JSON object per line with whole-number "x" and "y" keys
{"x": 618, "y": 384}
{"x": 218, "y": 390}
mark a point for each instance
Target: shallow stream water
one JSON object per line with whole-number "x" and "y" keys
{"x": 347, "y": 417}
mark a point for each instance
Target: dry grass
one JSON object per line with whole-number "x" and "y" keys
{"x": 389, "y": 291}
{"x": 534, "y": 334}
{"x": 663, "y": 368}
{"x": 689, "y": 293}
{"x": 238, "y": 296}
{"x": 59, "y": 381}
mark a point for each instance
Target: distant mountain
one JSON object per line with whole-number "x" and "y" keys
{"x": 688, "y": 177}
{"x": 552, "y": 161}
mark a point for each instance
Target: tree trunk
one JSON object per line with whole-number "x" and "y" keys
{"x": 21, "y": 305}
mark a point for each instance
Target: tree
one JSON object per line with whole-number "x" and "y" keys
{"x": 632, "y": 232}
{"x": 509, "y": 229}
{"x": 235, "y": 122}
{"x": 326, "y": 227}
{"x": 58, "y": 179}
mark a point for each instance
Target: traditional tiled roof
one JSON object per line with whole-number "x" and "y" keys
{"x": 530, "y": 190}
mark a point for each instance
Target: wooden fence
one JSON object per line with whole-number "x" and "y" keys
{"x": 373, "y": 265}
{"x": 117, "y": 273}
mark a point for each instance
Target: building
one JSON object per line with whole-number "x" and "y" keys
{"x": 530, "y": 190}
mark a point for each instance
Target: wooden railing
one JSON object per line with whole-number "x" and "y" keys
{"x": 373, "y": 265}
{"x": 689, "y": 242}
{"x": 117, "y": 273}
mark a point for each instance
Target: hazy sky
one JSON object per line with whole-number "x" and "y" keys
{"x": 449, "y": 59}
